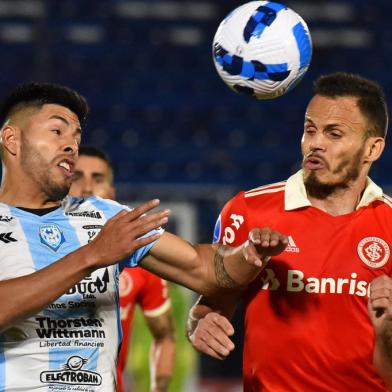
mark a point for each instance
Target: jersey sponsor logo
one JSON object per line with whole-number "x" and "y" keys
{"x": 51, "y": 236}
{"x": 5, "y": 218}
{"x": 88, "y": 287}
{"x": 217, "y": 230}
{"x": 373, "y": 251}
{"x": 291, "y": 246}
{"x": 92, "y": 231}
{"x": 229, "y": 232}
{"x": 126, "y": 284}
{"x": 87, "y": 214}
{"x": 77, "y": 328}
{"x": 72, "y": 374}
{"x": 92, "y": 227}
{"x": 7, "y": 238}
{"x": 297, "y": 282}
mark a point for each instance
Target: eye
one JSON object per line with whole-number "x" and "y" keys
{"x": 56, "y": 131}
{"x": 335, "y": 134}
{"x": 310, "y": 130}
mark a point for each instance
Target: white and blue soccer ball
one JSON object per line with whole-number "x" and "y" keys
{"x": 262, "y": 49}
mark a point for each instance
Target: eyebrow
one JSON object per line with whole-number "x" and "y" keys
{"x": 93, "y": 174}
{"x": 65, "y": 121}
{"x": 328, "y": 126}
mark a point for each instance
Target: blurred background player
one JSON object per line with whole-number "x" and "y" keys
{"x": 93, "y": 175}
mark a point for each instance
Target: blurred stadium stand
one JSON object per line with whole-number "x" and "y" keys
{"x": 171, "y": 126}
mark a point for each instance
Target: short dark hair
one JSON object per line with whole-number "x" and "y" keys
{"x": 95, "y": 152}
{"x": 91, "y": 151}
{"x": 37, "y": 94}
{"x": 371, "y": 97}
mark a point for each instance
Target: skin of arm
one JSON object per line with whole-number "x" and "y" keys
{"x": 208, "y": 326}
{"x": 162, "y": 351}
{"x": 380, "y": 312}
{"x": 206, "y": 268}
{"x": 26, "y": 295}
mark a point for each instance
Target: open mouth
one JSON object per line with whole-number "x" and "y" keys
{"x": 67, "y": 167}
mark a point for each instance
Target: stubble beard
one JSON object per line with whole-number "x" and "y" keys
{"x": 321, "y": 190}
{"x": 35, "y": 166}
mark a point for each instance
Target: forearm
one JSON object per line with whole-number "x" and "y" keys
{"x": 224, "y": 304}
{"x": 231, "y": 268}
{"x": 162, "y": 357}
{"x": 23, "y": 296}
{"x": 203, "y": 268}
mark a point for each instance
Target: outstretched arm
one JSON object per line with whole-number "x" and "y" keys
{"x": 23, "y": 296}
{"x": 380, "y": 312}
{"x": 206, "y": 268}
{"x": 162, "y": 352}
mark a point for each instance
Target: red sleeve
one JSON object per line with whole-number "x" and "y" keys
{"x": 231, "y": 228}
{"x": 153, "y": 296}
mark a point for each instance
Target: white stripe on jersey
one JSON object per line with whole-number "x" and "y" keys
{"x": 276, "y": 184}
{"x": 265, "y": 191}
{"x": 387, "y": 200}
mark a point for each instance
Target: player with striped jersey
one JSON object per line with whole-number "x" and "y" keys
{"x": 307, "y": 325}
{"x": 59, "y": 319}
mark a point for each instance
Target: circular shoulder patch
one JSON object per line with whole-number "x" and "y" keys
{"x": 126, "y": 283}
{"x": 373, "y": 251}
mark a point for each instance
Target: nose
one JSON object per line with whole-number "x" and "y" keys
{"x": 71, "y": 145}
{"x": 315, "y": 142}
{"x": 87, "y": 188}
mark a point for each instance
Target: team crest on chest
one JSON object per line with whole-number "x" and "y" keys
{"x": 373, "y": 251}
{"x": 51, "y": 236}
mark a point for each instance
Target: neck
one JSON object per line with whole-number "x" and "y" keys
{"x": 343, "y": 201}
{"x": 22, "y": 192}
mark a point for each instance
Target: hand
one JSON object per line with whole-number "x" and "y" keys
{"x": 262, "y": 244}
{"x": 380, "y": 302}
{"x": 211, "y": 336}
{"x": 120, "y": 236}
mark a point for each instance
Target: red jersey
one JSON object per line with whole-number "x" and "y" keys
{"x": 138, "y": 286}
{"x": 306, "y": 322}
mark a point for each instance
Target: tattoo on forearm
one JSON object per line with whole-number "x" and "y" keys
{"x": 222, "y": 277}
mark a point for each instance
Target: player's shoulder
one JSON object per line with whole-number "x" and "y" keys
{"x": 94, "y": 205}
{"x": 269, "y": 189}
{"x": 261, "y": 194}
{"x": 142, "y": 278}
{"x": 6, "y": 215}
{"x": 387, "y": 200}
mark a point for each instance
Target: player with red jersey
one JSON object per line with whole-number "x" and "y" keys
{"x": 139, "y": 286}
{"x": 94, "y": 176}
{"x": 307, "y": 325}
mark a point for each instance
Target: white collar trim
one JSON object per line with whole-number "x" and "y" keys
{"x": 295, "y": 193}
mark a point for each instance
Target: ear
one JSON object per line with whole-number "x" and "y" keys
{"x": 374, "y": 146}
{"x": 9, "y": 137}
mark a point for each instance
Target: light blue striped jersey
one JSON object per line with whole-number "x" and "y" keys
{"x": 72, "y": 344}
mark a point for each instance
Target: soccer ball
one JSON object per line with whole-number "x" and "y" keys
{"x": 262, "y": 49}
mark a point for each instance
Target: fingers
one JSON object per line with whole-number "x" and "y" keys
{"x": 268, "y": 241}
{"x": 135, "y": 213}
{"x": 212, "y": 336}
{"x": 380, "y": 297}
{"x": 142, "y": 209}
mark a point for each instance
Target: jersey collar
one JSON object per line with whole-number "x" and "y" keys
{"x": 295, "y": 193}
